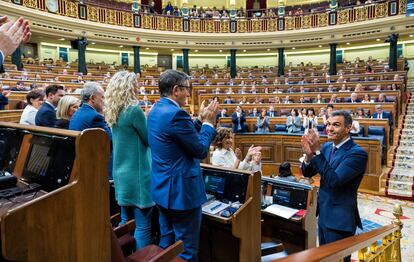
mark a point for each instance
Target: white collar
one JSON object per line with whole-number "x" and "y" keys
{"x": 342, "y": 143}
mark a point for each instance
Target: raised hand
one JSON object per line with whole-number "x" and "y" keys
{"x": 313, "y": 138}
{"x": 209, "y": 113}
{"x": 238, "y": 153}
{"x": 12, "y": 33}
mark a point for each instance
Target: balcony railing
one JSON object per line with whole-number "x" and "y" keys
{"x": 106, "y": 15}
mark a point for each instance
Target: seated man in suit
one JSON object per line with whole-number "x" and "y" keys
{"x": 223, "y": 113}
{"x": 381, "y": 114}
{"x": 4, "y": 97}
{"x": 354, "y": 98}
{"x": 89, "y": 115}
{"x": 272, "y": 112}
{"x": 318, "y": 99}
{"x": 46, "y": 116}
{"x": 145, "y": 102}
{"x": 341, "y": 164}
{"x": 177, "y": 146}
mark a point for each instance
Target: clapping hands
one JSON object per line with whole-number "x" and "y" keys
{"x": 310, "y": 143}
{"x": 208, "y": 114}
{"x": 12, "y": 33}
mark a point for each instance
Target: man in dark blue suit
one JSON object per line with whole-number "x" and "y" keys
{"x": 89, "y": 115}
{"x": 380, "y": 114}
{"x": 177, "y": 146}
{"x": 46, "y": 116}
{"x": 341, "y": 164}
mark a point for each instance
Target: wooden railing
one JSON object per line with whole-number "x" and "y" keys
{"x": 238, "y": 25}
{"x": 366, "y": 244}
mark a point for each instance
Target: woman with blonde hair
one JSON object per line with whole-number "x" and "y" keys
{"x": 67, "y": 106}
{"x": 131, "y": 154}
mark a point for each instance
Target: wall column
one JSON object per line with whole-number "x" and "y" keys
{"x": 16, "y": 58}
{"x": 233, "y": 66}
{"x": 392, "y": 61}
{"x": 82, "y": 43}
{"x": 281, "y": 65}
{"x": 186, "y": 67}
{"x": 137, "y": 62}
{"x": 332, "y": 59}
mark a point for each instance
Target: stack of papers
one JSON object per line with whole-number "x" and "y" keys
{"x": 214, "y": 207}
{"x": 282, "y": 211}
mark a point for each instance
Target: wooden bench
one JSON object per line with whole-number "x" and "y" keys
{"x": 10, "y": 115}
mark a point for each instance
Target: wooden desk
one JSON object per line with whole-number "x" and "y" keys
{"x": 277, "y": 148}
{"x": 71, "y": 222}
{"x": 297, "y": 233}
{"x": 10, "y": 115}
{"x": 236, "y": 238}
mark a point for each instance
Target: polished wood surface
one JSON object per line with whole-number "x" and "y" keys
{"x": 277, "y": 148}
{"x": 70, "y": 223}
{"x": 11, "y": 115}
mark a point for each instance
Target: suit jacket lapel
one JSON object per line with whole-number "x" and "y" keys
{"x": 340, "y": 152}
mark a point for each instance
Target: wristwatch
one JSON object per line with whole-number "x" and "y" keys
{"x": 317, "y": 153}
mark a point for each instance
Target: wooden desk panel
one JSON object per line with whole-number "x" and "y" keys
{"x": 279, "y": 147}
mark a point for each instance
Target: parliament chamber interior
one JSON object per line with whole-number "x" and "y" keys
{"x": 275, "y": 74}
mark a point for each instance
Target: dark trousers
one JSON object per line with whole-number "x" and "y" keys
{"x": 181, "y": 225}
{"x": 327, "y": 235}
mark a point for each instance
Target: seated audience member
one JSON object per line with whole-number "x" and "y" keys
{"x": 287, "y": 100}
{"x": 343, "y": 88}
{"x": 272, "y": 112}
{"x": 244, "y": 101}
{"x": 263, "y": 122}
{"x": 358, "y": 88}
{"x": 216, "y": 91}
{"x": 323, "y": 115}
{"x": 225, "y": 156}
{"x": 285, "y": 172}
{"x": 355, "y": 128}
{"x": 46, "y": 116}
{"x": 310, "y": 119}
{"x": 331, "y": 89}
{"x": 228, "y": 100}
{"x": 378, "y": 88}
{"x": 254, "y": 113}
{"x": 381, "y": 98}
{"x": 4, "y": 97}
{"x": 34, "y": 102}
{"x": 243, "y": 90}
{"x": 354, "y": 98}
{"x": 293, "y": 122}
{"x": 318, "y": 99}
{"x": 131, "y": 174}
{"x": 238, "y": 118}
{"x": 223, "y": 113}
{"x": 380, "y": 114}
{"x": 334, "y": 99}
{"x": 19, "y": 87}
{"x": 258, "y": 100}
{"x": 367, "y": 99}
{"x": 89, "y": 114}
{"x": 359, "y": 113}
{"x": 230, "y": 91}
{"x": 145, "y": 102}
{"x": 67, "y": 106}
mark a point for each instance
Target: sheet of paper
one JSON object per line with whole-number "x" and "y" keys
{"x": 215, "y": 207}
{"x": 282, "y": 211}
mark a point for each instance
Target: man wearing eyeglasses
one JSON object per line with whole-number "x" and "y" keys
{"x": 177, "y": 146}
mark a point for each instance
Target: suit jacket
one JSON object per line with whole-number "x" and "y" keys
{"x": 235, "y": 120}
{"x": 87, "y": 117}
{"x": 177, "y": 146}
{"x": 46, "y": 116}
{"x": 1, "y": 63}
{"x": 340, "y": 179}
{"x": 385, "y": 115}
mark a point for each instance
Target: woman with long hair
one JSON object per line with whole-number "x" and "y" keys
{"x": 131, "y": 154}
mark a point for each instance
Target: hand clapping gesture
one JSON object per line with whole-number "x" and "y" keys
{"x": 310, "y": 144}
{"x": 12, "y": 33}
{"x": 208, "y": 114}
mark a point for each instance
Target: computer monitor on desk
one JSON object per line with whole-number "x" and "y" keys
{"x": 49, "y": 161}
{"x": 10, "y": 143}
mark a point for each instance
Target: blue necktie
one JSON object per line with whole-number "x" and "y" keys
{"x": 332, "y": 153}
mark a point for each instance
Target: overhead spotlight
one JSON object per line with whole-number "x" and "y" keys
{"x": 195, "y": 50}
{"x": 121, "y": 46}
{"x": 62, "y": 39}
{"x": 220, "y": 50}
{"x": 293, "y": 48}
{"x": 93, "y": 43}
{"x": 319, "y": 45}
{"x": 348, "y": 43}
{"x": 146, "y": 48}
{"x": 378, "y": 39}
{"x": 172, "y": 49}
{"x": 244, "y": 50}
{"x": 268, "y": 49}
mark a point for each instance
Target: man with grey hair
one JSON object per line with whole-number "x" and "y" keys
{"x": 341, "y": 164}
{"x": 177, "y": 146}
{"x": 89, "y": 114}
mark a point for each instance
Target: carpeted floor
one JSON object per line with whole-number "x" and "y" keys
{"x": 376, "y": 211}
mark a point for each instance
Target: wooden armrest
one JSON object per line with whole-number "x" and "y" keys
{"x": 169, "y": 253}
{"x": 124, "y": 229}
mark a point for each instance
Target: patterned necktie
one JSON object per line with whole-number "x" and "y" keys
{"x": 332, "y": 153}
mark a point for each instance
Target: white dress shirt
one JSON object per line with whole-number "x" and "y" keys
{"x": 28, "y": 115}
{"x": 226, "y": 158}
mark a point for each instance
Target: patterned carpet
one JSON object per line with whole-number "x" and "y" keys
{"x": 376, "y": 211}
{"x": 401, "y": 178}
